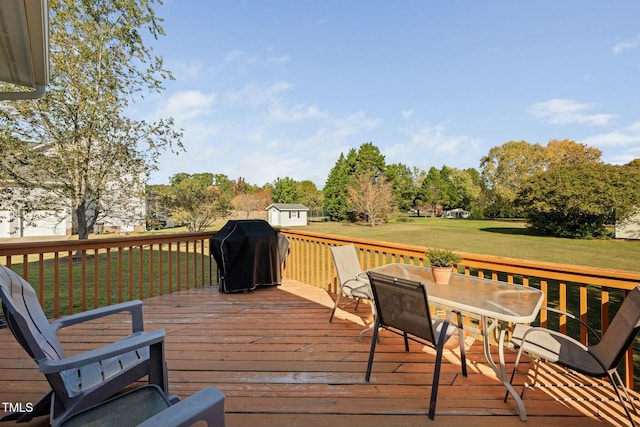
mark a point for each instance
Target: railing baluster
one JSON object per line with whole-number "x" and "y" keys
{"x": 170, "y": 256}
{"x": 604, "y": 308}
{"x": 70, "y": 282}
{"x": 584, "y": 315}
{"x": 108, "y": 281}
{"x": 130, "y": 273}
{"x": 562, "y": 299}
{"x": 56, "y": 284}
{"x": 41, "y": 279}
{"x": 95, "y": 278}
{"x": 151, "y": 269}
{"x": 179, "y": 264}
{"x": 83, "y": 281}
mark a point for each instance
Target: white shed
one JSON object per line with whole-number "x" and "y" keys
{"x": 287, "y": 214}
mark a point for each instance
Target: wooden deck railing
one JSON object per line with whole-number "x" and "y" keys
{"x": 71, "y": 276}
{"x": 75, "y": 275}
{"x": 593, "y": 294}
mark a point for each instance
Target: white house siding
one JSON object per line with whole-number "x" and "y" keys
{"x": 629, "y": 229}
{"x": 45, "y": 223}
{"x": 5, "y": 224}
{"x": 36, "y": 223}
{"x": 123, "y": 216}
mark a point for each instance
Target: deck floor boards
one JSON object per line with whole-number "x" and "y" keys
{"x": 279, "y": 362}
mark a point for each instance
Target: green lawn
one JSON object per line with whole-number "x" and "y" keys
{"x": 494, "y": 237}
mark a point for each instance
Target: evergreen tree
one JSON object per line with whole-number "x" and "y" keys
{"x": 335, "y": 190}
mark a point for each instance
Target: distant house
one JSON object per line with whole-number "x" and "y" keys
{"x": 629, "y": 229}
{"x": 287, "y": 214}
{"x": 35, "y": 212}
{"x": 456, "y": 213}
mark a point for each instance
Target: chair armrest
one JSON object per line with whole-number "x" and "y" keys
{"x": 551, "y": 332}
{"x": 205, "y": 405}
{"x": 573, "y": 317}
{"x": 542, "y": 342}
{"x": 131, "y": 343}
{"x": 134, "y": 307}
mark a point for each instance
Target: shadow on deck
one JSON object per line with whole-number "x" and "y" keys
{"x": 279, "y": 362}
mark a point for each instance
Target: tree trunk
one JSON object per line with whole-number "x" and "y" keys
{"x": 81, "y": 217}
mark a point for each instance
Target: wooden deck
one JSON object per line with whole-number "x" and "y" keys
{"x": 279, "y": 362}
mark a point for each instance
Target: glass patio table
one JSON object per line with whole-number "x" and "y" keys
{"x": 494, "y": 302}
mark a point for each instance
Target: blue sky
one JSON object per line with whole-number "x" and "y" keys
{"x": 268, "y": 89}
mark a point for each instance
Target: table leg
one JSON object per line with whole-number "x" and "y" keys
{"x": 501, "y": 372}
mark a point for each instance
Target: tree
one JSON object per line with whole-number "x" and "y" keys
{"x": 566, "y": 152}
{"x": 196, "y": 203}
{"x": 76, "y": 143}
{"x": 335, "y": 190}
{"x": 367, "y": 159}
{"x": 205, "y": 179}
{"x": 507, "y": 168}
{"x": 403, "y": 182}
{"x": 310, "y": 196}
{"x": 578, "y": 201}
{"x": 251, "y": 202}
{"x": 224, "y": 184}
{"x": 635, "y": 163}
{"x": 370, "y": 197}
{"x": 286, "y": 190}
{"x": 466, "y": 189}
{"x": 437, "y": 189}
{"x": 476, "y": 194}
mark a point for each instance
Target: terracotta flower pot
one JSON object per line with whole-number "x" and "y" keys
{"x": 441, "y": 275}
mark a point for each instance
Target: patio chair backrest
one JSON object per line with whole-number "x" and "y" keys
{"x": 621, "y": 332}
{"x": 346, "y": 261}
{"x": 26, "y": 319}
{"x": 402, "y": 304}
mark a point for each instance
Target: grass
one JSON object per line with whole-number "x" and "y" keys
{"x": 494, "y": 237}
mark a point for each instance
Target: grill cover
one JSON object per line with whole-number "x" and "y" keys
{"x": 249, "y": 254}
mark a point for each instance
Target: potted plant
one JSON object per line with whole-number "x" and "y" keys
{"x": 442, "y": 262}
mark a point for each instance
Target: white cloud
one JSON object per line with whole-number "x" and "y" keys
{"x": 186, "y": 105}
{"x": 428, "y": 146}
{"x": 242, "y": 61}
{"x": 567, "y": 111}
{"x": 407, "y": 114}
{"x": 186, "y": 71}
{"x": 237, "y": 55}
{"x": 618, "y": 146}
{"x": 626, "y": 137}
{"x": 296, "y": 113}
{"x": 257, "y": 132}
{"x": 626, "y": 45}
{"x": 256, "y": 95}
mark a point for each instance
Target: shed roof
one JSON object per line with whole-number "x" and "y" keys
{"x": 288, "y": 207}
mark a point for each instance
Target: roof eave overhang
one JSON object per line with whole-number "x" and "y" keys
{"x": 24, "y": 47}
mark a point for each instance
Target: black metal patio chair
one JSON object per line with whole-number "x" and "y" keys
{"x": 402, "y": 307}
